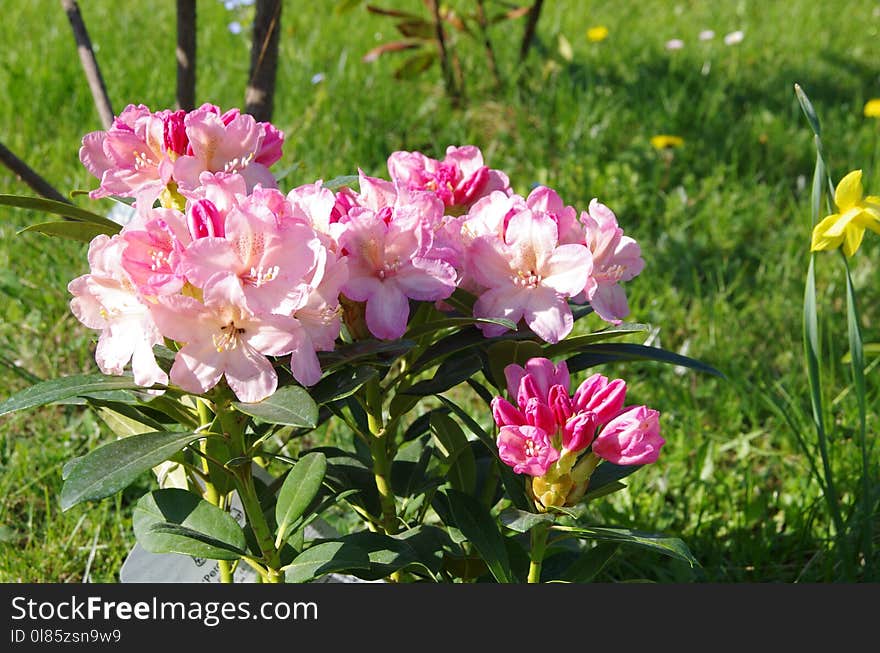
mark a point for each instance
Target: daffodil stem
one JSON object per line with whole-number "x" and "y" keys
{"x": 536, "y": 551}
{"x": 379, "y": 451}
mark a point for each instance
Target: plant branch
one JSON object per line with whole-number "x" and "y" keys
{"x": 26, "y": 174}
{"x": 260, "y": 93}
{"x": 89, "y": 62}
{"x": 186, "y": 54}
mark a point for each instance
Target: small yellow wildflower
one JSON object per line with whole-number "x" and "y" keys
{"x": 598, "y": 33}
{"x": 666, "y": 141}
{"x": 856, "y": 213}
{"x": 872, "y": 108}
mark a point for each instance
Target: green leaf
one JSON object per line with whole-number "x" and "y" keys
{"x": 290, "y": 405}
{"x": 177, "y": 521}
{"x": 299, "y": 488}
{"x": 808, "y": 109}
{"x": 347, "y": 354}
{"x": 478, "y": 526}
{"x": 523, "y": 521}
{"x": 325, "y": 558}
{"x": 58, "y": 208}
{"x": 508, "y": 352}
{"x": 607, "y": 474}
{"x": 345, "y": 181}
{"x": 610, "y": 352}
{"x": 115, "y": 465}
{"x": 343, "y": 383}
{"x": 54, "y": 390}
{"x": 590, "y": 563}
{"x": 417, "y": 547}
{"x": 454, "y": 448}
{"x": 73, "y": 230}
{"x": 451, "y": 372}
{"x": 123, "y": 419}
{"x": 448, "y": 323}
{"x": 670, "y": 546}
{"x": 574, "y": 344}
{"x": 513, "y": 483}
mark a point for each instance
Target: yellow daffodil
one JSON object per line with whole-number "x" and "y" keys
{"x": 855, "y": 213}
{"x": 598, "y": 33}
{"x": 872, "y": 108}
{"x": 666, "y": 141}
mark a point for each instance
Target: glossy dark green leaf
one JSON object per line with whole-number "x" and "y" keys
{"x": 290, "y": 405}
{"x": 58, "y": 208}
{"x": 375, "y": 349}
{"x": 478, "y": 526}
{"x": 82, "y": 231}
{"x": 513, "y": 483}
{"x": 298, "y": 490}
{"x": 590, "y": 563}
{"x": 177, "y": 521}
{"x": 343, "y": 383}
{"x": 419, "y": 547}
{"x": 448, "y": 323}
{"x": 115, "y": 465}
{"x": 670, "y": 546}
{"x": 55, "y": 390}
{"x": 606, "y": 474}
{"x": 598, "y": 354}
{"x": 451, "y": 372}
{"x": 523, "y": 521}
{"x": 502, "y": 354}
{"x": 325, "y": 558}
{"x": 455, "y": 451}
{"x": 574, "y": 344}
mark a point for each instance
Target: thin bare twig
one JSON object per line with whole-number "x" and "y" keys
{"x": 483, "y": 22}
{"x": 26, "y": 174}
{"x": 260, "y": 94}
{"x": 186, "y": 54}
{"x": 452, "y": 89}
{"x": 89, "y": 63}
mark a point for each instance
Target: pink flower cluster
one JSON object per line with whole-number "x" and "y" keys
{"x": 548, "y": 428}
{"x": 231, "y": 272}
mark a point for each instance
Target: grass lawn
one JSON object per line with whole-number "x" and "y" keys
{"x": 723, "y": 221}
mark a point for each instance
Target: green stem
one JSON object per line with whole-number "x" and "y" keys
{"x": 210, "y": 492}
{"x": 379, "y": 451}
{"x": 233, "y": 427}
{"x": 536, "y": 551}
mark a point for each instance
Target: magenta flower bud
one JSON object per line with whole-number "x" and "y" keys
{"x": 539, "y": 414}
{"x": 270, "y": 147}
{"x": 204, "y": 220}
{"x": 506, "y": 414}
{"x": 174, "y": 132}
{"x": 631, "y": 438}
{"x": 560, "y": 403}
{"x": 543, "y": 373}
{"x": 526, "y": 449}
{"x": 600, "y": 396}
{"x": 579, "y": 431}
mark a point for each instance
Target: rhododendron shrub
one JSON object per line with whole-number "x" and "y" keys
{"x": 232, "y": 318}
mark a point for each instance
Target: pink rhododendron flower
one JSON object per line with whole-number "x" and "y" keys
{"x": 459, "y": 180}
{"x": 529, "y": 276}
{"x": 631, "y": 438}
{"x": 154, "y": 250}
{"x": 266, "y": 255}
{"x": 527, "y": 449}
{"x": 616, "y": 258}
{"x": 593, "y": 418}
{"x": 221, "y": 338}
{"x": 228, "y": 142}
{"x": 134, "y": 158}
{"x": 107, "y": 300}
{"x": 391, "y": 258}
